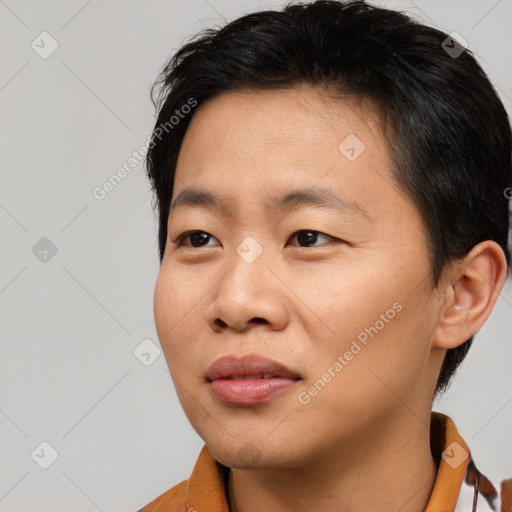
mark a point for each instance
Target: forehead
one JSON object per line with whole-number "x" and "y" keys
{"x": 280, "y": 133}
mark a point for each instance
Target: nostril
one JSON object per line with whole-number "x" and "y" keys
{"x": 220, "y": 323}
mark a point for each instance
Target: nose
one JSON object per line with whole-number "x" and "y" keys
{"x": 247, "y": 295}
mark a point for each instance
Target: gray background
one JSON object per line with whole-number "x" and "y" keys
{"x": 70, "y": 324}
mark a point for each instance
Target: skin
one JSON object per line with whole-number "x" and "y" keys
{"x": 363, "y": 441}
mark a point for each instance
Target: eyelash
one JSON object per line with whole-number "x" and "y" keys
{"x": 180, "y": 240}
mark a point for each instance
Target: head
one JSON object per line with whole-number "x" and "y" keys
{"x": 332, "y": 99}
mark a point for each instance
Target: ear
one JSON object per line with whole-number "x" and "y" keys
{"x": 470, "y": 289}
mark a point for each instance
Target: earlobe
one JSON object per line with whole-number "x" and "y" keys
{"x": 471, "y": 289}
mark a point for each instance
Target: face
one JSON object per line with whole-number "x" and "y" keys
{"x": 335, "y": 290}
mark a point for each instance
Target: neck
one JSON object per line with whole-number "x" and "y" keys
{"x": 392, "y": 469}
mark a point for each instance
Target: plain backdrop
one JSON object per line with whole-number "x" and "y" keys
{"x": 77, "y": 273}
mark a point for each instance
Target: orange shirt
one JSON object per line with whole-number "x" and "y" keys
{"x": 459, "y": 486}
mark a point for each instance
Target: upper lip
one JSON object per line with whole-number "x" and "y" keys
{"x": 231, "y": 366}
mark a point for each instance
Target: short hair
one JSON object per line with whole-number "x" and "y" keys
{"x": 446, "y": 128}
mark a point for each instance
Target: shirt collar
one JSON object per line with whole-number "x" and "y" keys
{"x": 452, "y": 456}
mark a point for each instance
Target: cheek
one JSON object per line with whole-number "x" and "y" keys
{"x": 164, "y": 304}
{"x": 176, "y": 310}
{"x": 348, "y": 301}
{"x": 357, "y": 382}
{"x": 176, "y": 299}
{"x": 376, "y": 325}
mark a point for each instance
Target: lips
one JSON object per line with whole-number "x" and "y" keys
{"x": 249, "y": 380}
{"x": 249, "y": 367}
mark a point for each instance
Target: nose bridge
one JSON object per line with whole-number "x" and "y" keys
{"x": 247, "y": 292}
{"x": 248, "y": 267}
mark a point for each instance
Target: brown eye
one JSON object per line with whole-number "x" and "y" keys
{"x": 197, "y": 238}
{"x": 308, "y": 237}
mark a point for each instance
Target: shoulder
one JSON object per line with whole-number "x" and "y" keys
{"x": 173, "y": 500}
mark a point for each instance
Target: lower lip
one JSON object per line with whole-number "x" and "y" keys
{"x": 249, "y": 391}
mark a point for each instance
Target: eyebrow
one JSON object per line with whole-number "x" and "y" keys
{"x": 320, "y": 197}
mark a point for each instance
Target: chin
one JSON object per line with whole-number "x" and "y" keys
{"x": 246, "y": 454}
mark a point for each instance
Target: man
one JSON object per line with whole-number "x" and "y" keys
{"x": 333, "y": 232}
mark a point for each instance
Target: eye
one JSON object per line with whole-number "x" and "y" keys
{"x": 200, "y": 238}
{"x": 309, "y": 236}
{"x": 195, "y": 237}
